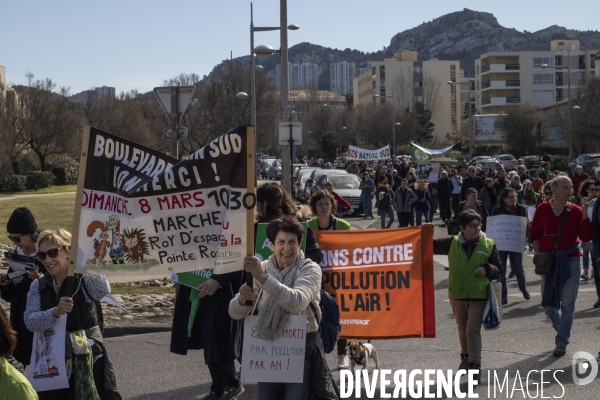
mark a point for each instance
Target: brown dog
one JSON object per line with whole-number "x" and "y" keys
{"x": 360, "y": 354}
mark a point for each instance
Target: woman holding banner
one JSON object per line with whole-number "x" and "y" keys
{"x": 507, "y": 205}
{"x": 473, "y": 262}
{"x": 287, "y": 284}
{"x": 92, "y": 375}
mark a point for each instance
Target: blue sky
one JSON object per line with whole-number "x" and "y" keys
{"x": 132, "y": 44}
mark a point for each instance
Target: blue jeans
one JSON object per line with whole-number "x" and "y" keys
{"x": 420, "y": 215}
{"x": 516, "y": 265}
{"x": 586, "y": 256}
{"x": 287, "y": 391}
{"x": 367, "y": 202}
{"x": 562, "y": 317}
{"x": 432, "y": 207}
{"x": 390, "y": 213}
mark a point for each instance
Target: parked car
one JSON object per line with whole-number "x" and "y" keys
{"x": 300, "y": 177}
{"x": 508, "y": 161}
{"x": 587, "y": 161}
{"x": 484, "y": 162}
{"x": 531, "y": 162}
{"x": 596, "y": 170}
{"x": 344, "y": 185}
{"x": 314, "y": 177}
{"x": 275, "y": 170}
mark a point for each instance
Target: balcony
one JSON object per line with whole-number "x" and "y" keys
{"x": 373, "y": 77}
{"x": 581, "y": 65}
{"x": 508, "y": 84}
{"x": 499, "y": 101}
{"x": 382, "y": 76}
{"x": 560, "y": 82}
{"x": 500, "y": 68}
{"x": 559, "y": 98}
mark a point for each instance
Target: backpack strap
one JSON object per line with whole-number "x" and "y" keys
{"x": 314, "y": 310}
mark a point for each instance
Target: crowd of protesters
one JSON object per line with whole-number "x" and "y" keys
{"x": 209, "y": 318}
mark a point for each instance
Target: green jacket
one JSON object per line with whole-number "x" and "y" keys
{"x": 462, "y": 284}
{"x": 338, "y": 225}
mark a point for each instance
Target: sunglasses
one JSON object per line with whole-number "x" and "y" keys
{"x": 15, "y": 239}
{"x": 52, "y": 253}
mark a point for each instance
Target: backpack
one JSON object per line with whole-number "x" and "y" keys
{"x": 329, "y": 326}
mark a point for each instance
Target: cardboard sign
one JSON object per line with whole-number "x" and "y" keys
{"x": 531, "y": 212}
{"x": 356, "y": 153}
{"x": 47, "y": 370}
{"x": 382, "y": 281}
{"x": 428, "y": 173}
{"x": 508, "y": 231}
{"x": 143, "y": 212}
{"x": 280, "y": 360}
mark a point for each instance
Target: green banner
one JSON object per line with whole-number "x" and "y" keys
{"x": 194, "y": 278}
{"x": 420, "y": 156}
{"x": 262, "y": 250}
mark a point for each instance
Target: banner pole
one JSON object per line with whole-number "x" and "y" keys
{"x": 78, "y": 198}
{"x": 250, "y": 182}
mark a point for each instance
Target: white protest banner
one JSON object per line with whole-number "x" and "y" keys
{"x": 280, "y": 360}
{"x": 47, "y": 370}
{"x": 356, "y": 153}
{"x": 530, "y": 212}
{"x": 139, "y": 211}
{"x": 508, "y": 231}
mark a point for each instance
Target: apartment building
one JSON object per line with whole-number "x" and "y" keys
{"x": 300, "y": 76}
{"x": 406, "y": 80}
{"x": 105, "y": 91}
{"x": 341, "y": 75}
{"x": 537, "y": 78}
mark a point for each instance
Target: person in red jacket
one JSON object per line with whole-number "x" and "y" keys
{"x": 578, "y": 177}
{"x": 559, "y": 289}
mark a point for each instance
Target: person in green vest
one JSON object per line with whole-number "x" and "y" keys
{"x": 473, "y": 262}
{"x": 324, "y": 206}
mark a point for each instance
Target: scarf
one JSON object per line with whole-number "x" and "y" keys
{"x": 383, "y": 185}
{"x": 272, "y": 317}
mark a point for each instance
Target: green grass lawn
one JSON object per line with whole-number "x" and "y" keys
{"x": 50, "y": 189}
{"x": 50, "y": 212}
{"x": 122, "y": 288}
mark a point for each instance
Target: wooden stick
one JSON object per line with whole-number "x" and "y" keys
{"x": 250, "y": 181}
{"x": 76, "y": 220}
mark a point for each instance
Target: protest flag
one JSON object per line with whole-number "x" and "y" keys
{"x": 139, "y": 211}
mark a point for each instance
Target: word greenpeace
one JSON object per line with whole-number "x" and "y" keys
{"x": 419, "y": 383}
{"x": 431, "y": 383}
{"x": 354, "y": 321}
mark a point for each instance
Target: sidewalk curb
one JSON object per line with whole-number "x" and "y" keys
{"x": 112, "y": 331}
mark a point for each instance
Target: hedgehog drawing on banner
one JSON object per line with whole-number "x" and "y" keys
{"x": 136, "y": 245}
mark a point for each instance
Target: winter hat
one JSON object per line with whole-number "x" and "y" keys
{"x": 21, "y": 221}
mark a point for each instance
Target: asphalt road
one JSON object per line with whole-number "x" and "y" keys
{"x": 524, "y": 342}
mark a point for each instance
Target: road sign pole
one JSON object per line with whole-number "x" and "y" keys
{"x": 174, "y": 147}
{"x": 291, "y": 158}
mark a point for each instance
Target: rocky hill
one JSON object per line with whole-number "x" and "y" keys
{"x": 462, "y": 35}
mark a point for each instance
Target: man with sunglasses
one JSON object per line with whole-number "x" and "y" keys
{"x": 22, "y": 231}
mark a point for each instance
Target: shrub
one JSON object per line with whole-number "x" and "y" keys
{"x": 65, "y": 170}
{"x": 13, "y": 183}
{"x": 560, "y": 163}
{"x": 39, "y": 179}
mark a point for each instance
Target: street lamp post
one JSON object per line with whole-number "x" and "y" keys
{"x": 394, "y": 123}
{"x": 469, "y": 106}
{"x": 342, "y": 130}
{"x": 266, "y": 50}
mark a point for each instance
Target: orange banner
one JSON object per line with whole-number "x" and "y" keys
{"x": 382, "y": 281}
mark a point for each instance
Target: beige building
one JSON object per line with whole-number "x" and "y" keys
{"x": 2, "y": 76}
{"x": 405, "y": 80}
{"x": 537, "y": 78}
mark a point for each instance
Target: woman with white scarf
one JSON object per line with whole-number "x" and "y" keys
{"x": 285, "y": 284}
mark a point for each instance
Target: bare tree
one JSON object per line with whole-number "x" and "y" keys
{"x": 49, "y": 122}
{"x": 518, "y": 123}
{"x": 13, "y": 144}
{"x": 403, "y": 90}
{"x": 431, "y": 93}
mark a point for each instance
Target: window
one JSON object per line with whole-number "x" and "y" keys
{"x": 419, "y": 99}
{"x": 538, "y": 61}
{"x": 542, "y": 79}
{"x": 418, "y": 84}
{"x": 592, "y": 62}
{"x": 543, "y": 95}
{"x": 418, "y": 70}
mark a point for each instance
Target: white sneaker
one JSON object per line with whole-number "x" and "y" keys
{"x": 343, "y": 362}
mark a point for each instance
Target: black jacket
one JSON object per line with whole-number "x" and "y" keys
{"x": 480, "y": 210}
{"x": 520, "y": 210}
{"x": 16, "y": 294}
{"x": 444, "y": 188}
{"x": 322, "y": 384}
{"x": 469, "y": 182}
